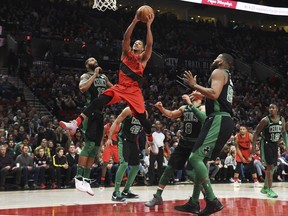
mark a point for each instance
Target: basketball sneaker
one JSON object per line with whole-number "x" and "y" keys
{"x": 272, "y": 194}
{"x": 87, "y": 187}
{"x": 157, "y": 200}
{"x": 70, "y": 126}
{"x": 116, "y": 196}
{"x": 211, "y": 207}
{"x": 264, "y": 190}
{"x": 129, "y": 195}
{"x": 79, "y": 184}
{"x": 190, "y": 206}
{"x": 154, "y": 148}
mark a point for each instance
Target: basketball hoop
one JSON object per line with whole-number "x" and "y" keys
{"x": 102, "y": 5}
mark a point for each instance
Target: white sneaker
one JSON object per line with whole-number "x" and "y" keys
{"x": 154, "y": 148}
{"x": 70, "y": 126}
{"x": 88, "y": 188}
{"x": 257, "y": 184}
{"x": 236, "y": 184}
{"x": 231, "y": 180}
{"x": 79, "y": 185}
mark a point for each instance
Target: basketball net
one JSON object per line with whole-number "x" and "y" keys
{"x": 102, "y": 5}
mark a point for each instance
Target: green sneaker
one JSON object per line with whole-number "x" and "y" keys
{"x": 264, "y": 190}
{"x": 272, "y": 194}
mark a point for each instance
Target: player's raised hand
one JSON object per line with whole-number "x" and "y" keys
{"x": 196, "y": 95}
{"x": 150, "y": 19}
{"x": 97, "y": 70}
{"x": 186, "y": 98}
{"x": 189, "y": 79}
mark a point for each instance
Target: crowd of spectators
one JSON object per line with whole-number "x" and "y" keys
{"x": 195, "y": 38}
{"x": 45, "y": 154}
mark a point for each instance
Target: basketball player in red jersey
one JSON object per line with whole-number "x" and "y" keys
{"x": 133, "y": 63}
{"x": 243, "y": 144}
{"x": 109, "y": 150}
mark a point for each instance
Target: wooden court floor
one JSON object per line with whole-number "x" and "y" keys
{"x": 242, "y": 201}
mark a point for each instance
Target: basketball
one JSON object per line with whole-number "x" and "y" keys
{"x": 143, "y": 12}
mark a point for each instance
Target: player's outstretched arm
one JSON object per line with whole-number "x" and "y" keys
{"x": 149, "y": 40}
{"x": 127, "y": 36}
{"x": 169, "y": 113}
{"x": 126, "y": 112}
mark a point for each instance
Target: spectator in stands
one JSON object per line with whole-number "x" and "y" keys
{"x": 19, "y": 146}
{"x": 44, "y": 145}
{"x": 43, "y": 163}
{"x": 229, "y": 167}
{"x": 62, "y": 137}
{"x": 26, "y": 163}
{"x": 21, "y": 134}
{"x": 31, "y": 129}
{"x": 2, "y": 140}
{"x": 52, "y": 147}
{"x": 61, "y": 167}
{"x": 10, "y": 149}
{"x": 8, "y": 166}
{"x": 258, "y": 164}
{"x": 77, "y": 138}
{"x": 72, "y": 159}
{"x": 213, "y": 168}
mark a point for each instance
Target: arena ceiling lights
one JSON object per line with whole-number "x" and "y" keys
{"x": 237, "y": 5}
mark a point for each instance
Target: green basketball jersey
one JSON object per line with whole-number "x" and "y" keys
{"x": 99, "y": 85}
{"x": 224, "y": 102}
{"x": 273, "y": 131}
{"x": 130, "y": 128}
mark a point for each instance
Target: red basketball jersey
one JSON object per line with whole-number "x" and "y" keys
{"x": 133, "y": 61}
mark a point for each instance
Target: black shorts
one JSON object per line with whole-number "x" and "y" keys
{"x": 213, "y": 136}
{"x": 94, "y": 128}
{"x": 179, "y": 157}
{"x": 271, "y": 153}
{"x": 128, "y": 152}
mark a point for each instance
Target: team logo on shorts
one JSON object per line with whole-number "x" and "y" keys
{"x": 206, "y": 150}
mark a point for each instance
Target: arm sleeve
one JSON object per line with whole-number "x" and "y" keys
{"x": 199, "y": 114}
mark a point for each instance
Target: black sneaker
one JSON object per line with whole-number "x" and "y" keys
{"x": 211, "y": 207}
{"x": 117, "y": 197}
{"x": 129, "y": 195}
{"x": 190, "y": 206}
